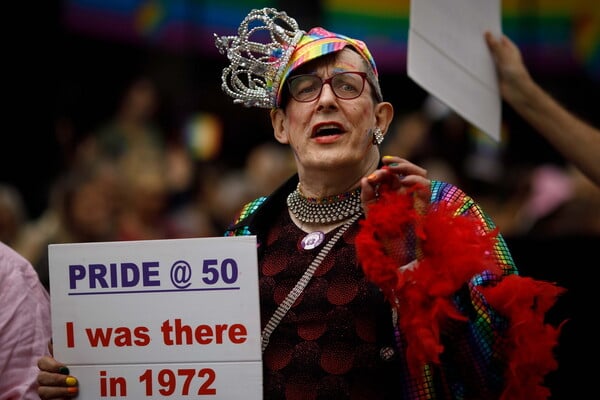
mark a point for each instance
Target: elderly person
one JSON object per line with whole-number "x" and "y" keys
{"x": 373, "y": 279}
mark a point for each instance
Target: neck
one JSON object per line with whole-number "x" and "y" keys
{"x": 333, "y": 180}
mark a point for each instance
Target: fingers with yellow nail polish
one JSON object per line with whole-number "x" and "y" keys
{"x": 71, "y": 381}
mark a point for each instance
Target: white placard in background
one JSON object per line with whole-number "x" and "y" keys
{"x": 158, "y": 319}
{"x": 447, "y": 56}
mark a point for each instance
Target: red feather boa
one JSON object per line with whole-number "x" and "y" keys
{"x": 451, "y": 249}
{"x": 531, "y": 341}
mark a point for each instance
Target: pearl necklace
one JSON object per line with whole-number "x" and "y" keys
{"x": 324, "y": 210}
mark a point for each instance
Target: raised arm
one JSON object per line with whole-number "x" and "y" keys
{"x": 576, "y": 140}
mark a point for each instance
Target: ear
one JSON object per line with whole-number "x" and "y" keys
{"x": 279, "y": 126}
{"x": 384, "y": 113}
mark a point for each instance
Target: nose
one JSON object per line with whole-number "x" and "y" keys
{"x": 327, "y": 96}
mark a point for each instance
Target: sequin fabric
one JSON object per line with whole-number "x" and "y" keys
{"x": 334, "y": 341}
{"x": 328, "y": 346}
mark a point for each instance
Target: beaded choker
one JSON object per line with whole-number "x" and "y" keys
{"x": 324, "y": 210}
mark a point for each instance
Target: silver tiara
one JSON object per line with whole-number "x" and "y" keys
{"x": 256, "y": 68}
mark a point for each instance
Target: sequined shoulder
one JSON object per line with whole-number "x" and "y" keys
{"x": 237, "y": 228}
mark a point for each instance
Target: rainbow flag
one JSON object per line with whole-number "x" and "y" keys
{"x": 382, "y": 24}
{"x": 181, "y": 25}
{"x": 156, "y": 22}
{"x": 554, "y": 35}
{"x": 586, "y": 35}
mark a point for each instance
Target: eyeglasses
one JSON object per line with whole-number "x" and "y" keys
{"x": 345, "y": 85}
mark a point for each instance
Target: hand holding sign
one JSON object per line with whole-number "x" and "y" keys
{"x": 159, "y": 318}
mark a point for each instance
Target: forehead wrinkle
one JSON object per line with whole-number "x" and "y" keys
{"x": 335, "y": 68}
{"x": 343, "y": 68}
{"x": 343, "y": 63}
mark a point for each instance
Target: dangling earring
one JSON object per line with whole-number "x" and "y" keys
{"x": 377, "y": 136}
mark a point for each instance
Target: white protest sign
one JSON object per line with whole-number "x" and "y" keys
{"x": 158, "y": 319}
{"x": 448, "y": 57}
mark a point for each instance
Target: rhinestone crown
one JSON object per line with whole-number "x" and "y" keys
{"x": 258, "y": 56}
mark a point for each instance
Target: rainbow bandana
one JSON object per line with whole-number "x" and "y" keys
{"x": 319, "y": 42}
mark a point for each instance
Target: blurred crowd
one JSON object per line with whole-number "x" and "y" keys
{"x": 127, "y": 179}
{"x": 546, "y": 198}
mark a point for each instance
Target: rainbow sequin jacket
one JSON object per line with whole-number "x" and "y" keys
{"x": 478, "y": 361}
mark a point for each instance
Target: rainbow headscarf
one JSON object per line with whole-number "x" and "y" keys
{"x": 319, "y": 42}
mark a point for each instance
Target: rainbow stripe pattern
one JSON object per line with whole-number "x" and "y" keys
{"x": 556, "y": 35}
